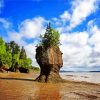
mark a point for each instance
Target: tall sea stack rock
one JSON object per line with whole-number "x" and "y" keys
{"x": 49, "y": 56}
{"x": 50, "y": 62}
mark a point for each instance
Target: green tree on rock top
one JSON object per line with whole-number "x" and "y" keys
{"x": 50, "y": 38}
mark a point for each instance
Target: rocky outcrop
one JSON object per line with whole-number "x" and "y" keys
{"x": 4, "y": 68}
{"x": 50, "y": 62}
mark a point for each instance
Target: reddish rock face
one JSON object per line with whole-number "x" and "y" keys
{"x": 50, "y": 62}
{"x": 4, "y": 68}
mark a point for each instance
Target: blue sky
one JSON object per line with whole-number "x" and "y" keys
{"x": 78, "y": 22}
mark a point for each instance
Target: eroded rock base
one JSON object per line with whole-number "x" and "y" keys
{"x": 49, "y": 79}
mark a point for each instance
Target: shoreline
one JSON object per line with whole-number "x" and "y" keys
{"x": 33, "y": 75}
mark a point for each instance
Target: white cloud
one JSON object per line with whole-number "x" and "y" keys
{"x": 6, "y": 24}
{"x": 28, "y": 29}
{"x": 32, "y": 28}
{"x": 81, "y": 49}
{"x": 75, "y": 49}
{"x": 95, "y": 38}
{"x": 81, "y": 9}
{"x": 61, "y": 20}
{"x": 17, "y": 37}
{"x": 78, "y": 39}
{"x": 31, "y": 51}
{"x": 76, "y": 56}
{"x": 65, "y": 16}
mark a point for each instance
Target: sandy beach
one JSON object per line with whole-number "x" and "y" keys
{"x": 19, "y": 86}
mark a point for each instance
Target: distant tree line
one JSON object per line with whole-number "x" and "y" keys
{"x": 13, "y": 56}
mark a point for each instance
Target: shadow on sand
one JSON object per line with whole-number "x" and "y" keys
{"x": 16, "y": 79}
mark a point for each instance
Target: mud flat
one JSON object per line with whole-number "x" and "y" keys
{"x": 18, "y": 86}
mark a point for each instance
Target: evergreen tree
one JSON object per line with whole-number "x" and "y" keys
{"x": 24, "y": 61}
{"x": 23, "y": 53}
{"x": 15, "y": 51}
{"x": 14, "y": 47}
{"x": 50, "y": 38}
{"x": 8, "y": 48}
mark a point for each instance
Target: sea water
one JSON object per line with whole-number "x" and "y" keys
{"x": 93, "y": 77}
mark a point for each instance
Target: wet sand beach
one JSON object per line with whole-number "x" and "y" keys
{"x": 19, "y": 86}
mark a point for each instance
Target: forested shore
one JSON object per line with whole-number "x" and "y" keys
{"x": 13, "y": 57}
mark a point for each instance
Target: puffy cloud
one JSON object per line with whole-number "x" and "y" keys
{"x": 28, "y": 29}
{"x": 95, "y": 38}
{"x": 78, "y": 39}
{"x": 65, "y": 16}
{"x": 30, "y": 50}
{"x": 17, "y": 37}
{"x": 75, "y": 49}
{"x": 76, "y": 56}
{"x": 81, "y": 49}
{"x": 31, "y": 28}
{"x": 82, "y": 9}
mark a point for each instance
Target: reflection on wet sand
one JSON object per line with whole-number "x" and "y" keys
{"x": 48, "y": 91}
{"x": 27, "y": 90}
